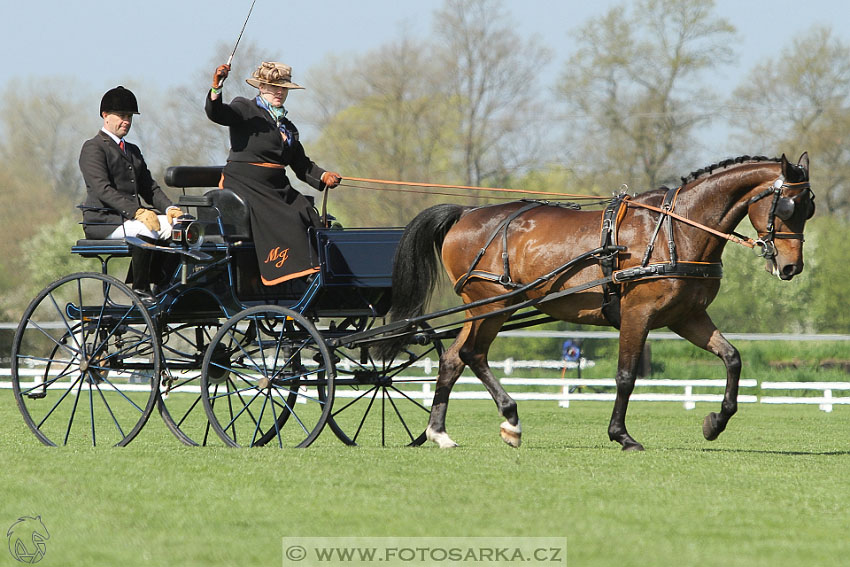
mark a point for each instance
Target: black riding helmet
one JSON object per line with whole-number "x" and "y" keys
{"x": 119, "y": 99}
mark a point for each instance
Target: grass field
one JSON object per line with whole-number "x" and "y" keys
{"x": 773, "y": 490}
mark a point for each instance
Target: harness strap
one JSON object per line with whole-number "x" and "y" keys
{"x": 666, "y": 206}
{"x": 707, "y": 270}
{"x": 505, "y": 278}
{"x": 610, "y": 293}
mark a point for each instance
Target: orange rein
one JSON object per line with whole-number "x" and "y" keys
{"x": 439, "y": 186}
{"x": 748, "y": 242}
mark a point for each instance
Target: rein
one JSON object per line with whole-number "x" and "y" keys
{"x": 737, "y": 239}
{"x": 468, "y": 187}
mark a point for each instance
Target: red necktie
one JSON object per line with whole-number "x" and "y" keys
{"x": 121, "y": 145}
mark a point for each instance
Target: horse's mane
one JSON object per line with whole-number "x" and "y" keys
{"x": 725, "y": 164}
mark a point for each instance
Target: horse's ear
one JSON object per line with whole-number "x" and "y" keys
{"x": 804, "y": 161}
{"x": 784, "y": 164}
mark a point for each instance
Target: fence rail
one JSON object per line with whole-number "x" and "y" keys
{"x": 688, "y": 392}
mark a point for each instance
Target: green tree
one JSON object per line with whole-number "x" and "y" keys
{"x": 633, "y": 91}
{"x": 800, "y": 101}
{"x": 750, "y": 300}
{"x": 490, "y": 75}
{"x": 385, "y": 121}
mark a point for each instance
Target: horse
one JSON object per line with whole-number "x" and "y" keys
{"x": 554, "y": 257}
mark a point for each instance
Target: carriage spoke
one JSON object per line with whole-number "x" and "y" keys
{"x": 400, "y": 417}
{"x": 365, "y": 415}
{"x": 260, "y": 420}
{"x": 73, "y": 412}
{"x": 109, "y": 409}
{"x": 61, "y": 399}
{"x": 188, "y": 411}
{"x": 413, "y": 401}
{"x": 295, "y": 415}
{"x": 353, "y": 401}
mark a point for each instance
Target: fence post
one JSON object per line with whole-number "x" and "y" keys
{"x": 689, "y": 404}
{"x": 565, "y": 403}
{"x": 426, "y": 394}
{"x": 827, "y": 407}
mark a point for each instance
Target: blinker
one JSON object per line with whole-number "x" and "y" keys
{"x": 786, "y": 206}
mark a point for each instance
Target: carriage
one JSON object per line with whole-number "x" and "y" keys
{"x": 222, "y": 356}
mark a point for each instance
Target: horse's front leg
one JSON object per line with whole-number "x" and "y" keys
{"x": 701, "y": 331}
{"x": 632, "y": 339}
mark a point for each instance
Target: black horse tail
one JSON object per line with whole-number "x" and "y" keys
{"x": 416, "y": 267}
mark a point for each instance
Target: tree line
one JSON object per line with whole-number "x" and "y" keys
{"x": 466, "y": 105}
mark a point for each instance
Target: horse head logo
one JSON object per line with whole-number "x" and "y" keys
{"x": 27, "y": 539}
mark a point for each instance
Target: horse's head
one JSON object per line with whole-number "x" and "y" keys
{"x": 779, "y": 214}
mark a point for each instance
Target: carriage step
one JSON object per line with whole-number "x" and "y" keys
{"x": 37, "y": 395}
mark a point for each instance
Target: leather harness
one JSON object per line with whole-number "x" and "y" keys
{"x": 607, "y": 256}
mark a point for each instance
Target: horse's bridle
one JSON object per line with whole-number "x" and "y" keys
{"x": 782, "y": 208}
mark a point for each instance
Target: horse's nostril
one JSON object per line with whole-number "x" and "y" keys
{"x": 790, "y": 270}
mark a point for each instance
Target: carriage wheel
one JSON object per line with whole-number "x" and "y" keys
{"x": 85, "y": 362}
{"x": 180, "y": 405}
{"x": 260, "y": 377}
{"x": 384, "y": 403}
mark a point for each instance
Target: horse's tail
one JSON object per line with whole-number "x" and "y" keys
{"x": 416, "y": 267}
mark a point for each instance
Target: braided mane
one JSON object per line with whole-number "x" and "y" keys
{"x": 725, "y": 164}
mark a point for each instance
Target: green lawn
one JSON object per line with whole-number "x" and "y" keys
{"x": 773, "y": 490}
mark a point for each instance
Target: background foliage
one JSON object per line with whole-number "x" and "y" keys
{"x": 466, "y": 105}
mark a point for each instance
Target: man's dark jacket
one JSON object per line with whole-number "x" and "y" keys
{"x": 116, "y": 180}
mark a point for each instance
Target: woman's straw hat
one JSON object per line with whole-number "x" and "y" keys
{"x": 273, "y": 73}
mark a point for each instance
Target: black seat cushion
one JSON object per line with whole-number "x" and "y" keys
{"x": 193, "y": 176}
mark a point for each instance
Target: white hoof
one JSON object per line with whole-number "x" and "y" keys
{"x": 511, "y": 434}
{"x": 441, "y": 439}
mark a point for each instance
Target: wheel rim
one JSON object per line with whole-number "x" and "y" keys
{"x": 276, "y": 360}
{"x": 85, "y": 362}
{"x": 384, "y": 403}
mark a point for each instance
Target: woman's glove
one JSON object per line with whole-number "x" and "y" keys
{"x": 220, "y": 75}
{"x": 172, "y": 214}
{"x": 331, "y": 179}
{"x": 148, "y": 218}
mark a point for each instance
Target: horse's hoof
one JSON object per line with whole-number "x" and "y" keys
{"x": 442, "y": 440}
{"x": 711, "y": 429}
{"x": 633, "y": 446}
{"x": 511, "y": 434}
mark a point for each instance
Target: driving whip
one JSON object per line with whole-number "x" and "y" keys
{"x": 229, "y": 59}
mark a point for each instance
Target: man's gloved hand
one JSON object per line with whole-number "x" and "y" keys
{"x": 331, "y": 179}
{"x": 220, "y": 75}
{"x": 148, "y": 218}
{"x": 172, "y": 214}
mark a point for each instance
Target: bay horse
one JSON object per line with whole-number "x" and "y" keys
{"x": 501, "y": 255}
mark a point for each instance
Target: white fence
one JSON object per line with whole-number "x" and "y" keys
{"x": 566, "y": 390}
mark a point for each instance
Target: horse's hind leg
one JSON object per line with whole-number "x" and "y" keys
{"x": 702, "y": 332}
{"x": 471, "y": 348}
{"x": 474, "y": 354}
{"x": 451, "y": 367}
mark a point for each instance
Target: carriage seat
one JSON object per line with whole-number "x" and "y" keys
{"x": 214, "y": 204}
{"x": 233, "y": 211}
{"x": 91, "y": 248}
{"x": 183, "y": 176}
